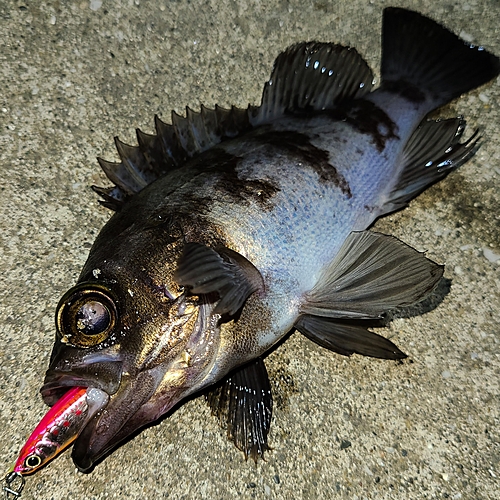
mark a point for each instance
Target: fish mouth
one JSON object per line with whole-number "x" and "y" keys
{"x": 58, "y": 382}
{"x": 113, "y": 413}
{"x": 101, "y": 373}
{"x": 130, "y": 408}
{"x": 70, "y": 367}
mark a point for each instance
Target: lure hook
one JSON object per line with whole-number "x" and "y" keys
{"x": 14, "y": 484}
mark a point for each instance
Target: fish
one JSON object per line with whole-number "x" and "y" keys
{"x": 58, "y": 428}
{"x": 233, "y": 227}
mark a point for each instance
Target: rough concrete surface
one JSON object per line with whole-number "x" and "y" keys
{"x": 73, "y": 75}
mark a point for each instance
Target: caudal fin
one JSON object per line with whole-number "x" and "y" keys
{"x": 422, "y": 60}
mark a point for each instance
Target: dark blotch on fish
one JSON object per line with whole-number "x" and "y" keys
{"x": 405, "y": 89}
{"x": 368, "y": 118}
{"x": 300, "y": 146}
{"x": 235, "y": 187}
{"x": 228, "y": 183}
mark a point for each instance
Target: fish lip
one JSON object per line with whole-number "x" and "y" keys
{"x": 83, "y": 457}
{"x": 72, "y": 367}
{"x": 53, "y": 390}
{"x": 57, "y": 383}
{"x": 103, "y": 432}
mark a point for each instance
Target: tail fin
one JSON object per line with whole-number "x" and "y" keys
{"x": 423, "y": 60}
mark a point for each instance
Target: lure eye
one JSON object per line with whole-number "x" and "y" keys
{"x": 32, "y": 461}
{"x": 86, "y": 315}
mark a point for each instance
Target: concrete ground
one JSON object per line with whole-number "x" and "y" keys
{"x": 73, "y": 75}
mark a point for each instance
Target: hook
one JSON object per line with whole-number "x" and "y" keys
{"x": 11, "y": 489}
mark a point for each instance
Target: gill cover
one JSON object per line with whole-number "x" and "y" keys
{"x": 86, "y": 315}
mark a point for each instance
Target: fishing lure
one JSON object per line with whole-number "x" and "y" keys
{"x": 55, "y": 432}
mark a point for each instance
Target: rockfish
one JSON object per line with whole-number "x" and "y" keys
{"x": 234, "y": 227}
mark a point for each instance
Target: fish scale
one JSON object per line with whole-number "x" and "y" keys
{"x": 283, "y": 233}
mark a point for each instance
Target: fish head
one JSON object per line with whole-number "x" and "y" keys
{"x": 128, "y": 329}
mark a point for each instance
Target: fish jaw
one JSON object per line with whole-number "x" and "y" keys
{"x": 141, "y": 399}
{"x": 98, "y": 436}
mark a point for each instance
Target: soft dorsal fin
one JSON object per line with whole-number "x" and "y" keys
{"x": 169, "y": 148}
{"x": 312, "y": 76}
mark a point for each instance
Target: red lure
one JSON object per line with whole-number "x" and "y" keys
{"x": 55, "y": 432}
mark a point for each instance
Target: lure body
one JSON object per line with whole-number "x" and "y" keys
{"x": 57, "y": 429}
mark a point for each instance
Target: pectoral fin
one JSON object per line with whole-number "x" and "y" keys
{"x": 371, "y": 274}
{"x": 243, "y": 404}
{"x": 205, "y": 270}
{"x": 346, "y": 338}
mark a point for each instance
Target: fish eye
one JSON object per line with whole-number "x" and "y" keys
{"x": 33, "y": 461}
{"x": 93, "y": 318}
{"x": 86, "y": 315}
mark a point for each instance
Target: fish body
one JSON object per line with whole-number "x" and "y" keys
{"x": 233, "y": 227}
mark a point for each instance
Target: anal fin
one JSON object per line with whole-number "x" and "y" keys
{"x": 243, "y": 404}
{"x": 431, "y": 153}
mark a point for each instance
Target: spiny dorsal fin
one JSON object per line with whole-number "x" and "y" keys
{"x": 313, "y": 76}
{"x": 169, "y": 148}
